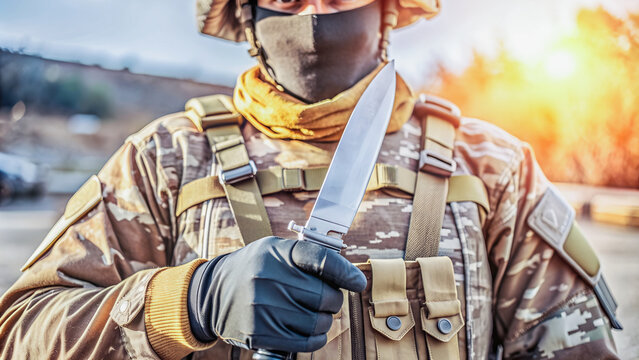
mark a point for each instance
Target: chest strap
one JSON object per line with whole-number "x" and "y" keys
{"x": 385, "y": 177}
{"x": 235, "y": 170}
{"x": 436, "y": 165}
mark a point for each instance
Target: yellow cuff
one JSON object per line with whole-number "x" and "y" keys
{"x": 166, "y": 315}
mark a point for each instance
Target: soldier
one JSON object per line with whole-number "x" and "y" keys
{"x": 156, "y": 258}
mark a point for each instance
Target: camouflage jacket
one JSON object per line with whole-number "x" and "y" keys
{"x": 84, "y": 298}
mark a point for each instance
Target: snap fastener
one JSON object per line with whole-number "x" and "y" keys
{"x": 124, "y": 305}
{"x": 393, "y": 323}
{"x": 444, "y": 326}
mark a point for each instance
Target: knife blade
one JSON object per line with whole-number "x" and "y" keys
{"x": 352, "y": 165}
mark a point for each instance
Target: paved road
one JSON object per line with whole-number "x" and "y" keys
{"x": 23, "y": 224}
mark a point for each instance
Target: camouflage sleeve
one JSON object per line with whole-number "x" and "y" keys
{"x": 542, "y": 308}
{"x": 84, "y": 297}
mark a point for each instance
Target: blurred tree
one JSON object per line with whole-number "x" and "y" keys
{"x": 578, "y": 107}
{"x": 42, "y": 86}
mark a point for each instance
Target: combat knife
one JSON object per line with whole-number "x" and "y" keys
{"x": 349, "y": 172}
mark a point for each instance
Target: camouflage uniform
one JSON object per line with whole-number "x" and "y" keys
{"x": 85, "y": 297}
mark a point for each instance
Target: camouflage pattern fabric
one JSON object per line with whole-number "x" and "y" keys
{"x": 85, "y": 297}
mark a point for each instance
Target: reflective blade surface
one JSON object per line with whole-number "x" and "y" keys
{"x": 355, "y": 157}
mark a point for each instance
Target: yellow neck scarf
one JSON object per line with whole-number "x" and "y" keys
{"x": 282, "y": 116}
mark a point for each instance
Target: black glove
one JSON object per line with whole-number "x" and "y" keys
{"x": 273, "y": 294}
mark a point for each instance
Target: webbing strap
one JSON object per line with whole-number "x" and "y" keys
{"x": 213, "y": 110}
{"x": 276, "y": 179}
{"x": 469, "y": 188}
{"x": 431, "y": 189}
{"x": 441, "y": 314}
{"x": 244, "y": 197}
{"x": 216, "y": 115}
{"x": 388, "y": 291}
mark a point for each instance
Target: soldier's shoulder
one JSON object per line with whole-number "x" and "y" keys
{"x": 479, "y": 143}
{"x": 200, "y": 113}
{"x": 166, "y": 128}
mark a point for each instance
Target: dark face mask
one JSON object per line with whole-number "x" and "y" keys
{"x": 315, "y": 57}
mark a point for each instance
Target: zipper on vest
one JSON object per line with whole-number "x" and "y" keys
{"x": 357, "y": 326}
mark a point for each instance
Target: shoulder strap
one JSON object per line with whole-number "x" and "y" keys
{"x": 436, "y": 165}
{"x": 216, "y": 116}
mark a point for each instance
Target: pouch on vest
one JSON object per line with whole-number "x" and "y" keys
{"x": 408, "y": 311}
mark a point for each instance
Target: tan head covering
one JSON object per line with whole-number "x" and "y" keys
{"x": 221, "y": 18}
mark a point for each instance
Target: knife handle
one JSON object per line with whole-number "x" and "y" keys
{"x": 304, "y": 233}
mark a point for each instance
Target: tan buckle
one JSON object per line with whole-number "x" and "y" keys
{"x": 221, "y": 119}
{"x": 436, "y": 164}
{"x": 441, "y": 108}
{"x": 211, "y": 111}
{"x": 292, "y": 180}
{"x": 386, "y": 175}
{"x": 442, "y": 103}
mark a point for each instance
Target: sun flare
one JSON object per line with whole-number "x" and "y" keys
{"x": 576, "y": 100}
{"x": 560, "y": 64}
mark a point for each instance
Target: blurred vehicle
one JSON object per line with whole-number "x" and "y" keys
{"x": 19, "y": 177}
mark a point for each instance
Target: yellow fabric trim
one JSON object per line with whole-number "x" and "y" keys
{"x": 282, "y": 116}
{"x": 83, "y": 201}
{"x": 579, "y": 249}
{"x": 165, "y": 312}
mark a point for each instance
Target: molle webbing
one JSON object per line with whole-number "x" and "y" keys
{"x": 277, "y": 179}
{"x": 436, "y": 166}
{"x": 215, "y": 115}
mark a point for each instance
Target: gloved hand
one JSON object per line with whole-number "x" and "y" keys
{"x": 273, "y": 294}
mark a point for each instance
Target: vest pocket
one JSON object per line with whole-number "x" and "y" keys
{"x": 440, "y": 315}
{"x": 390, "y": 321}
{"x": 408, "y": 311}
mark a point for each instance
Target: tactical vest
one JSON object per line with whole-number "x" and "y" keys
{"x": 410, "y": 309}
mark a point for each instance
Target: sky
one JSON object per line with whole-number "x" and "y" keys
{"x": 160, "y": 37}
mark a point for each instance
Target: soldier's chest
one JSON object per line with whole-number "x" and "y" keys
{"x": 380, "y": 228}
{"x": 381, "y": 225}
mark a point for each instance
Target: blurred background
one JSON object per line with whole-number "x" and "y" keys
{"x": 77, "y": 78}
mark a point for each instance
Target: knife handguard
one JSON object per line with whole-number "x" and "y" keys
{"x": 305, "y": 233}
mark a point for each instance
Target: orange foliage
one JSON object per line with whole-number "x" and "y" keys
{"x": 578, "y": 107}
